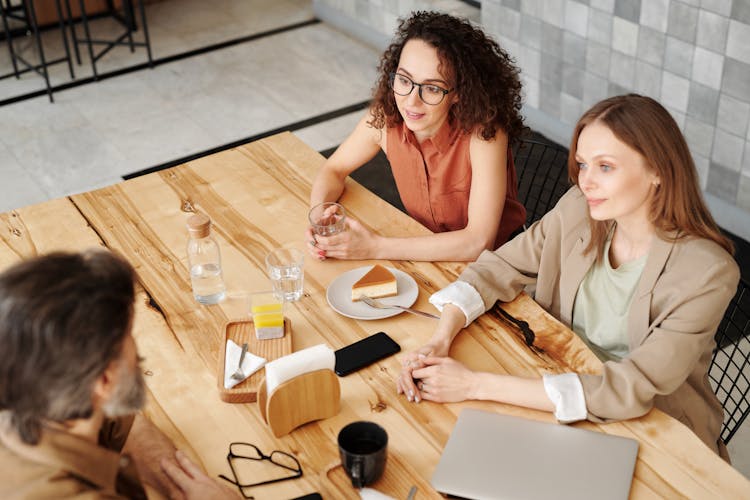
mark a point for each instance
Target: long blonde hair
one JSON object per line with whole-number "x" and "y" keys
{"x": 677, "y": 204}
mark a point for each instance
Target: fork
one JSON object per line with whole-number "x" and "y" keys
{"x": 379, "y": 305}
{"x": 239, "y": 374}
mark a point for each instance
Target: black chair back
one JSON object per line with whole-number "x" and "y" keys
{"x": 729, "y": 372}
{"x": 542, "y": 171}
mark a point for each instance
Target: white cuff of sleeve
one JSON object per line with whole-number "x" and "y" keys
{"x": 462, "y": 295}
{"x": 566, "y": 393}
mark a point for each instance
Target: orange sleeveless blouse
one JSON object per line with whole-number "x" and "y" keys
{"x": 434, "y": 180}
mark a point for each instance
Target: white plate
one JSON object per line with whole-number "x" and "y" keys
{"x": 339, "y": 295}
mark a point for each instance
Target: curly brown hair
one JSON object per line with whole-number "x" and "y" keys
{"x": 484, "y": 76}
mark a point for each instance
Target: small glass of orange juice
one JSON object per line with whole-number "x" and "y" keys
{"x": 268, "y": 315}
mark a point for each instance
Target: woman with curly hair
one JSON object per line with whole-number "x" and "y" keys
{"x": 445, "y": 110}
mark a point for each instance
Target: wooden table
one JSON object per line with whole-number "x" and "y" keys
{"x": 257, "y": 197}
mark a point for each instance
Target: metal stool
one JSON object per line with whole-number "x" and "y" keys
{"x": 126, "y": 19}
{"x": 25, "y": 12}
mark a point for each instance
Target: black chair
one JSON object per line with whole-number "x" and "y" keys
{"x": 542, "y": 171}
{"x": 23, "y": 13}
{"x": 729, "y": 372}
{"x": 126, "y": 18}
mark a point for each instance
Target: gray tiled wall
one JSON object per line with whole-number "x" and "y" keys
{"x": 693, "y": 56}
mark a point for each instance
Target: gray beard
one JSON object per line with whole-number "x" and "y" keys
{"x": 129, "y": 396}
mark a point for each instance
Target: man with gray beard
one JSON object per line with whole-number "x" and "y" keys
{"x": 71, "y": 388}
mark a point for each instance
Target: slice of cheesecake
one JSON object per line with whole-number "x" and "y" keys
{"x": 378, "y": 282}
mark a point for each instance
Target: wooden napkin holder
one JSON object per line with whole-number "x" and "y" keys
{"x": 302, "y": 399}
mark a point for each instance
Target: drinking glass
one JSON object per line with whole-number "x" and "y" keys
{"x": 327, "y": 218}
{"x": 284, "y": 267}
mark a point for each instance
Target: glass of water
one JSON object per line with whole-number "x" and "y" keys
{"x": 284, "y": 267}
{"x": 327, "y": 218}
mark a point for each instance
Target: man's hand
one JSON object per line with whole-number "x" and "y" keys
{"x": 147, "y": 446}
{"x": 192, "y": 482}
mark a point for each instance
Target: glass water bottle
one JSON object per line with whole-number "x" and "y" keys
{"x": 204, "y": 259}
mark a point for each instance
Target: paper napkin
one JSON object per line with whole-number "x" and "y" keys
{"x": 250, "y": 364}
{"x": 371, "y": 494}
{"x": 307, "y": 360}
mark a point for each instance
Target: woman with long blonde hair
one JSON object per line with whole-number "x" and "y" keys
{"x": 630, "y": 259}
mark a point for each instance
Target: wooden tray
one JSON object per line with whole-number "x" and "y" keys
{"x": 241, "y": 331}
{"x": 396, "y": 481}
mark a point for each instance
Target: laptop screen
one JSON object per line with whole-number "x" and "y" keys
{"x": 494, "y": 456}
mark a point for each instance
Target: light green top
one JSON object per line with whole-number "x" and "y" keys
{"x": 600, "y": 311}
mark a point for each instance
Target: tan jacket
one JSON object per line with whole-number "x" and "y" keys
{"x": 63, "y": 465}
{"x": 684, "y": 289}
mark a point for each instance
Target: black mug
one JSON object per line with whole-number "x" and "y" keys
{"x": 363, "y": 450}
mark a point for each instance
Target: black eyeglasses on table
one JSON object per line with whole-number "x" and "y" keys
{"x": 247, "y": 451}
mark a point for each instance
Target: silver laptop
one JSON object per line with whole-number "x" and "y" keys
{"x": 493, "y": 456}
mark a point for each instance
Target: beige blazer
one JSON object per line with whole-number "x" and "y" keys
{"x": 683, "y": 291}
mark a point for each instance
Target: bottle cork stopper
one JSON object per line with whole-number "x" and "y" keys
{"x": 199, "y": 225}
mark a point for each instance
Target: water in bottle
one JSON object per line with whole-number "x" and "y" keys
{"x": 205, "y": 261}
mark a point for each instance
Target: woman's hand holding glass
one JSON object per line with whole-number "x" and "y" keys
{"x": 355, "y": 242}
{"x": 326, "y": 219}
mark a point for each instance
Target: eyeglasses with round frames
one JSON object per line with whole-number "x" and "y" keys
{"x": 429, "y": 92}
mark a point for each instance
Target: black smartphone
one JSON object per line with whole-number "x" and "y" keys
{"x": 364, "y": 352}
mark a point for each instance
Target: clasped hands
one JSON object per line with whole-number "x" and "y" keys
{"x": 428, "y": 373}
